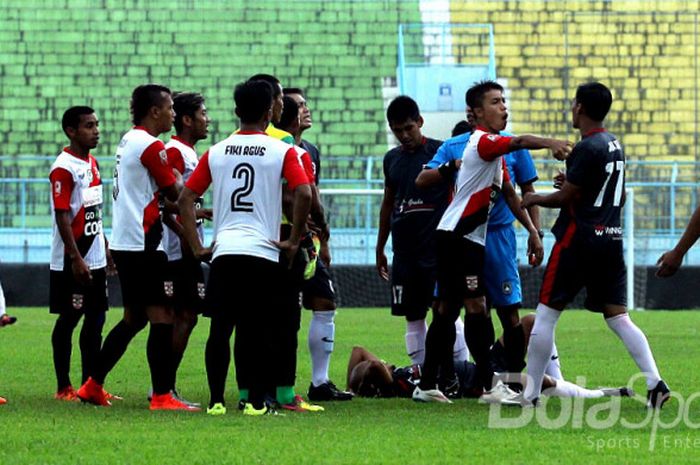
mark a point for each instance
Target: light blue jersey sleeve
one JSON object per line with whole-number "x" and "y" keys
{"x": 523, "y": 169}
{"x": 451, "y": 149}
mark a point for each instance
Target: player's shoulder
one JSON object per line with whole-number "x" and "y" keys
{"x": 459, "y": 140}
{"x": 392, "y": 153}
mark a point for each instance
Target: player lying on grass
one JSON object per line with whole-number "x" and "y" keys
{"x": 368, "y": 376}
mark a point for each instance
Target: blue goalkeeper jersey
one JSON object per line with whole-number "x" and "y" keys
{"x": 520, "y": 167}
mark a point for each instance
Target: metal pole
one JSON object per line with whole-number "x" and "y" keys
{"x": 629, "y": 227}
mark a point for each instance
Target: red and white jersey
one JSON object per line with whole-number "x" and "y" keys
{"x": 76, "y": 187}
{"x": 479, "y": 180}
{"x": 141, "y": 169}
{"x": 183, "y": 158}
{"x": 246, "y": 171}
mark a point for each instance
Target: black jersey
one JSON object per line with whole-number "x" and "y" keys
{"x": 597, "y": 166}
{"x": 416, "y": 212}
{"x": 315, "y": 158}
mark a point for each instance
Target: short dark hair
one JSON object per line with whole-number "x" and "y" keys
{"x": 270, "y": 79}
{"x": 461, "y": 128}
{"x": 402, "y": 108}
{"x": 289, "y": 113}
{"x": 253, "y": 99}
{"x": 294, "y": 90}
{"x": 595, "y": 99}
{"x": 71, "y": 117}
{"x": 186, "y": 104}
{"x": 143, "y": 98}
{"x": 475, "y": 95}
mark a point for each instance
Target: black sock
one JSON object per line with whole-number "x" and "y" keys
{"x": 62, "y": 347}
{"x": 514, "y": 344}
{"x": 91, "y": 342}
{"x": 218, "y": 357}
{"x": 114, "y": 347}
{"x": 159, "y": 351}
{"x": 439, "y": 342}
{"x": 478, "y": 330}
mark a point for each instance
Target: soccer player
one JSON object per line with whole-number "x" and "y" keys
{"x": 185, "y": 278}
{"x": 79, "y": 256}
{"x": 141, "y": 172}
{"x": 277, "y": 107}
{"x": 461, "y": 235}
{"x": 588, "y": 250}
{"x": 318, "y": 294}
{"x": 671, "y": 261}
{"x": 411, "y": 215}
{"x": 501, "y": 276}
{"x": 245, "y": 171}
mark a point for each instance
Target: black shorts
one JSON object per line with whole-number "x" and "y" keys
{"x": 460, "y": 267}
{"x": 66, "y": 294}
{"x": 184, "y": 284}
{"x": 573, "y": 265}
{"x": 142, "y": 277}
{"x": 320, "y": 285}
{"x": 412, "y": 288}
{"x": 242, "y": 283}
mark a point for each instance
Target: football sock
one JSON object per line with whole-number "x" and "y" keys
{"x": 554, "y": 366}
{"x": 321, "y": 336}
{"x": 182, "y": 329}
{"x": 90, "y": 342}
{"x": 480, "y": 338}
{"x": 567, "y": 389}
{"x": 217, "y": 357}
{"x": 416, "y": 332}
{"x": 284, "y": 394}
{"x": 514, "y": 342}
{"x": 61, "y": 340}
{"x": 113, "y": 348}
{"x": 438, "y": 351}
{"x": 637, "y": 345}
{"x": 539, "y": 350}
{"x": 159, "y": 353}
{"x": 460, "y": 353}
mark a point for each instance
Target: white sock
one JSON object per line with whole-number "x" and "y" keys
{"x": 567, "y": 389}
{"x": 539, "y": 350}
{"x": 415, "y": 340}
{"x": 460, "y": 352}
{"x": 553, "y": 368}
{"x": 321, "y": 337}
{"x": 2, "y": 301}
{"x": 637, "y": 345}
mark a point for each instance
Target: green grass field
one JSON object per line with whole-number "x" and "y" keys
{"x": 35, "y": 429}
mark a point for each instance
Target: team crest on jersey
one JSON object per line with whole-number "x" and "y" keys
{"x": 90, "y": 176}
{"x": 472, "y": 282}
{"x": 492, "y": 137}
{"x": 507, "y": 288}
{"x": 57, "y": 188}
{"x": 169, "y": 289}
{"x": 201, "y": 290}
{"x": 163, "y": 157}
{"x": 78, "y": 301}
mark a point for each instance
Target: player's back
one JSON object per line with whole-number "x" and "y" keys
{"x": 246, "y": 173}
{"x": 135, "y": 207}
{"x": 597, "y": 166}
